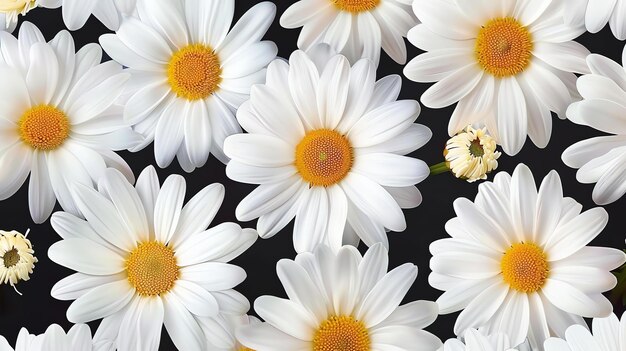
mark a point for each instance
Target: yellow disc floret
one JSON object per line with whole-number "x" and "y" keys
{"x": 44, "y": 127}
{"x": 194, "y": 72}
{"x": 152, "y": 268}
{"x": 355, "y": 6}
{"x": 525, "y": 267}
{"x": 341, "y": 333}
{"x": 323, "y": 157}
{"x": 504, "y": 47}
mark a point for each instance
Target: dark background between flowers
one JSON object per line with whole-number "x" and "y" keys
{"x": 36, "y": 309}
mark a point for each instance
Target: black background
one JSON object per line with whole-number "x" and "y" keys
{"x": 36, "y": 309}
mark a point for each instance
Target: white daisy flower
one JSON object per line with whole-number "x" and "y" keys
{"x": 342, "y": 301}
{"x": 190, "y": 73}
{"x": 11, "y": 9}
{"x": 355, "y": 28}
{"x": 78, "y": 338}
{"x": 326, "y": 144}
{"x": 145, "y": 261}
{"x": 471, "y": 154}
{"x": 507, "y": 63}
{"x": 601, "y": 160}
{"x": 77, "y": 12}
{"x": 58, "y": 119}
{"x": 17, "y": 259}
{"x": 595, "y": 14}
{"x": 608, "y": 335}
{"x": 474, "y": 340}
{"x": 517, "y": 262}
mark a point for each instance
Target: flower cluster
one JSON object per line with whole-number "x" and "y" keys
{"x": 329, "y": 145}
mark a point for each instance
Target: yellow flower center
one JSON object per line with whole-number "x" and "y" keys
{"x": 152, "y": 268}
{"x": 323, "y": 157}
{"x": 342, "y": 333}
{"x": 11, "y": 258}
{"x": 194, "y": 72}
{"x": 504, "y": 47}
{"x": 355, "y": 6}
{"x": 525, "y": 267}
{"x": 243, "y": 348}
{"x": 44, "y": 127}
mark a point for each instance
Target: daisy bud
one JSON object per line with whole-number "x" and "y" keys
{"x": 16, "y": 258}
{"x": 13, "y": 8}
{"x": 471, "y": 154}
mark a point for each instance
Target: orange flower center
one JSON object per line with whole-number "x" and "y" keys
{"x": 341, "y": 333}
{"x": 525, "y": 267}
{"x": 44, "y": 127}
{"x": 194, "y": 72}
{"x": 152, "y": 268}
{"x": 504, "y": 47}
{"x": 355, "y": 6}
{"x": 323, "y": 157}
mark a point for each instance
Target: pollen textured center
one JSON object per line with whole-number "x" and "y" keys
{"x": 44, "y": 127}
{"x": 355, "y": 6}
{"x": 504, "y": 47}
{"x": 194, "y": 72}
{"x": 152, "y": 268}
{"x": 342, "y": 333}
{"x": 525, "y": 267}
{"x": 11, "y": 258}
{"x": 323, "y": 157}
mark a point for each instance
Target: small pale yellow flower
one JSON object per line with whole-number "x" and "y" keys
{"x": 471, "y": 154}
{"x": 13, "y": 8}
{"x": 17, "y": 258}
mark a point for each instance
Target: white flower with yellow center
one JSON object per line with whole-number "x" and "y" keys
{"x": 474, "y": 340}
{"x": 595, "y": 14}
{"x": 190, "y": 73}
{"x": 355, "y": 28}
{"x": 602, "y": 159}
{"x": 144, "y": 260}
{"x": 517, "y": 262}
{"x": 76, "y": 12}
{"x": 471, "y": 154}
{"x": 11, "y": 9}
{"x": 58, "y": 119}
{"x": 326, "y": 143}
{"x": 342, "y": 301}
{"x": 507, "y": 63}
{"x": 609, "y": 334}
{"x": 78, "y": 338}
{"x": 17, "y": 259}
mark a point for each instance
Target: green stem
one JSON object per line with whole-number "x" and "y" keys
{"x": 439, "y": 168}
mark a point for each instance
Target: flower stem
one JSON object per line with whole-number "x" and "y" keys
{"x": 439, "y": 168}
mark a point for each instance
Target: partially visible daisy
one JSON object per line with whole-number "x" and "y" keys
{"x": 508, "y": 64}
{"x": 355, "y": 28}
{"x": 517, "y": 262}
{"x": 342, "y": 301}
{"x": 601, "y": 160}
{"x": 609, "y": 334}
{"x": 327, "y": 143}
{"x": 58, "y": 118}
{"x": 11, "y": 9}
{"x": 595, "y": 14}
{"x": 471, "y": 154}
{"x": 191, "y": 72}
{"x": 17, "y": 259}
{"x": 476, "y": 341}
{"x": 76, "y": 12}
{"x": 144, "y": 260}
{"x": 222, "y": 335}
{"x": 78, "y": 338}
